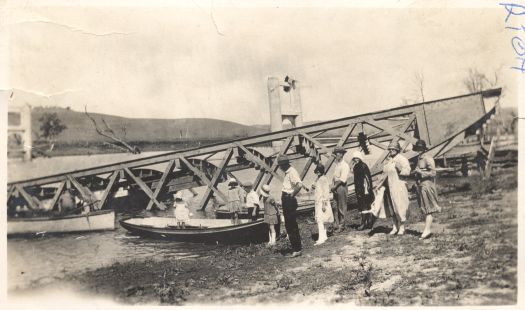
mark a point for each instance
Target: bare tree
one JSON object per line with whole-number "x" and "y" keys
{"x": 419, "y": 81}
{"x": 418, "y": 90}
{"x": 110, "y": 134}
{"x": 476, "y": 81}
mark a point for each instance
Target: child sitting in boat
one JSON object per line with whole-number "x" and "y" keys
{"x": 181, "y": 212}
{"x": 235, "y": 197}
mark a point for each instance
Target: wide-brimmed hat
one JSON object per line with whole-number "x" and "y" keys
{"x": 283, "y": 159}
{"x": 265, "y": 190}
{"x": 178, "y": 195}
{"x": 339, "y": 149}
{"x": 319, "y": 169}
{"x": 232, "y": 181}
{"x": 420, "y": 145}
{"x": 394, "y": 145}
{"x": 358, "y": 155}
{"x": 248, "y": 184}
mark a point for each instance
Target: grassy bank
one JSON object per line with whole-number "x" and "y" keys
{"x": 470, "y": 260}
{"x": 91, "y": 148}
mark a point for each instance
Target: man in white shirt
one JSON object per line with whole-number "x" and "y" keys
{"x": 291, "y": 186}
{"x": 339, "y": 188}
{"x": 252, "y": 201}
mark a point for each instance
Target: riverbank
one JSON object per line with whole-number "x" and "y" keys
{"x": 470, "y": 260}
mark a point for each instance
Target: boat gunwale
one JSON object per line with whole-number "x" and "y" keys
{"x": 57, "y": 218}
{"x": 193, "y": 231}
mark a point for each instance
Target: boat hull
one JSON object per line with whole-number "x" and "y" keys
{"x": 249, "y": 232}
{"x": 94, "y": 221}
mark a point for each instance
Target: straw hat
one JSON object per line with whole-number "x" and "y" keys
{"x": 177, "y": 195}
{"x": 265, "y": 190}
{"x": 339, "y": 149}
{"x": 394, "y": 145}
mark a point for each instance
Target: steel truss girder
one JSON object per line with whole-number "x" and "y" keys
{"x": 184, "y": 169}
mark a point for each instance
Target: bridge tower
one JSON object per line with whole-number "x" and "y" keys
{"x": 285, "y": 104}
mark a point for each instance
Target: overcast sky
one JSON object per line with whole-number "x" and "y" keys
{"x": 199, "y": 61}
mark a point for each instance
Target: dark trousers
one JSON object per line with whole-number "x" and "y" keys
{"x": 290, "y": 221}
{"x": 250, "y": 212}
{"x": 364, "y": 202}
{"x": 340, "y": 205}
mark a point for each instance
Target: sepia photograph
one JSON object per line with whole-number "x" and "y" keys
{"x": 260, "y": 153}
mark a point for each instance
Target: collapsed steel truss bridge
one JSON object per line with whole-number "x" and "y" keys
{"x": 441, "y": 123}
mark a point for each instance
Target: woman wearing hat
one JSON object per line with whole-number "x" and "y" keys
{"x": 363, "y": 189}
{"x": 235, "y": 196}
{"x": 425, "y": 173}
{"x": 271, "y": 212}
{"x": 323, "y": 209}
{"x": 396, "y": 193}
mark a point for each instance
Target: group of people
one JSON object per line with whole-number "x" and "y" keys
{"x": 67, "y": 204}
{"x": 389, "y": 200}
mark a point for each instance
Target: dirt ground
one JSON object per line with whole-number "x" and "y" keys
{"x": 471, "y": 259}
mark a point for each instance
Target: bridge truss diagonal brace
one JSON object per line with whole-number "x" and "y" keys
{"x": 256, "y": 160}
{"x": 144, "y": 188}
{"x": 112, "y": 180}
{"x": 212, "y": 185}
{"x": 379, "y": 161}
{"x": 392, "y": 131}
{"x": 284, "y": 148}
{"x": 275, "y": 164}
{"x": 326, "y": 151}
{"x": 59, "y": 191}
{"x": 84, "y": 191}
{"x": 10, "y": 192}
{"x": 378, "y": 144}
{"x": 348, "y": 132}
{"x": 28, "y": 198}
{"x": 161, "y": 183}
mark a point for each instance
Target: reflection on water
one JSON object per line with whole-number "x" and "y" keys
{"x": 43, "y": 259}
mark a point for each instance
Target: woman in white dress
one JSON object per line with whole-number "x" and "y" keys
{"x": 323, "y": 209}
{"x": 396, "y": 193}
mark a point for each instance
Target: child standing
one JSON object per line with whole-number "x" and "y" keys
{"x": 252, "y": 201}
{"x": 323, "y": 209}
{"x": 271, "y": 212}
{"x": 235, "y": 197}
{"x": 182, "y": 213}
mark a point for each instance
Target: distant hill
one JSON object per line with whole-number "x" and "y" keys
{"x": 80, "y": 128}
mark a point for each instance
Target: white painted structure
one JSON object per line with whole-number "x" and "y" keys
{"x": 285, "y": 105}
{"x": 20, "y": 142}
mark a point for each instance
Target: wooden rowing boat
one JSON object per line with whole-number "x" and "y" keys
{"x": 198, "y": 230}
{"x": 93, "y": 221}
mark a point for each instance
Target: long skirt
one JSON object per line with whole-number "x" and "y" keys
{"x": 427, "y": 197}
{"x": 396, "y": 200}
{"x": 323, "y": 217}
